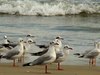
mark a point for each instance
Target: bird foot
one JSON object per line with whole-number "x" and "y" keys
{"x": 60, "y": 69}
{"x": 47, "y": 72}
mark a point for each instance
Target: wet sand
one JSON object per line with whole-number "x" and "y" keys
{"x": 8, "y": 69}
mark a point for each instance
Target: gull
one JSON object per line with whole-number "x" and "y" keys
{"x": 15, "y": 53}
{"x": 8, "y": 44}
{"x": 47, "y": 58}
{"x": 29, "y": 35}
{"x": 6, "y": 41}
{"x": 45, "y": 47}
{"x": 58, "y": 49}
{"x": 61, "y": 55}
{"x": 27, "y": 46}
{"x": 91, "y": 54}
{"x": 58, "y": 39}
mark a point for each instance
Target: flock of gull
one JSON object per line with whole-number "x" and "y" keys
{"x": 51, "y": 53}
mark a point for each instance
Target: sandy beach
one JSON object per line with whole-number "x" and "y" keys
{"x": 8, "y": 69}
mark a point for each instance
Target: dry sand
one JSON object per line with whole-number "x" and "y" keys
{"x": 7, "y": 69}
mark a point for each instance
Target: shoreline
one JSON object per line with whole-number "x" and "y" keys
{"x": 8, "y": 69}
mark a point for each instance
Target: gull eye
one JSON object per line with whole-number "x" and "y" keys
{"x": 29, "y": 41}
{"x": 66, "y": 47}
{"x": 21, "y": 40}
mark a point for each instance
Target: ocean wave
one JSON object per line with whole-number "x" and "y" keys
{"x": 29, "y": 7}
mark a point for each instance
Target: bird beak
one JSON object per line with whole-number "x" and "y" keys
{"x": 71, "y": 48}
{"x": 34, "y": 42}
{"x": 62, "y": 38}
{"x": 56, "y": 44}
{"x": 24, "y": 41}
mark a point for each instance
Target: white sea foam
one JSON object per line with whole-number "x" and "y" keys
{"x": 29, "y": 7}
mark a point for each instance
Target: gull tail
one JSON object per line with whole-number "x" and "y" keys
{"x": 1, "y": 56}
{"x": 78, "y": 54}
{"x": 39, "y": 53}
{"x": 81, "y": 56}
{"x": 27, "y": 64}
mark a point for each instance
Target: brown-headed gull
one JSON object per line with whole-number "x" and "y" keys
{"x": 61, "y": 56}
{"x": 15, "y": 53}
{"x": 27, "y": 46}
{"x": 58, "y": 39}
{"x": 8, "y": 44}
{"x": 47, "y": 58}
{"x": 91, "y": 54}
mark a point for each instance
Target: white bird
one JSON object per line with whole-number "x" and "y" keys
{"x": 48, "y": 57}
{"x": 6, "y": 41}
{"x": 27, "y": 46}
{"x": 7, "y": 44}
{"x": 61, "y": 56}
{"x": 59, "y": 41}
{"x": 91, "y": 54}
{"x": 58, "y": 49}
{"x": 15, "y": 53}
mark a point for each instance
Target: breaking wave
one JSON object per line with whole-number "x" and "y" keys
{"x": 53, "y": 8}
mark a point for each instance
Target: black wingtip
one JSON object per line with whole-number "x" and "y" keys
{"x": 1, "y": 56}
{"x": 77, "y": 54}
{"x": 81, "y": 56}
{"x": 27, "y": 64}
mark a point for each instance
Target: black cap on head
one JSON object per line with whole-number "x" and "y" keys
{"x": 59, "y": 37}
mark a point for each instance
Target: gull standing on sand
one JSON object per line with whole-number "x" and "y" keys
{"x": 27, "y": 46}
{"x": 61, "y": 55}
{"x": 58, "y": 49}
{"x": 91, "y": 54}
{"x": 15, "y": 53}
{"x": 48, "y": 57}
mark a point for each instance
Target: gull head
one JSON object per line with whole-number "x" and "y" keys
{"x": 20, "y": 40}
{"x": 53, "y": 43}
{"x": 97, "y": 44}
{"x": 30, "y": 41}
{"x": 59, "y": 37}
{"x": 5, "y": 37}
{"x": 67, "y": 47}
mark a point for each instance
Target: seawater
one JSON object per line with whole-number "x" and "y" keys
{"x": 49, "y": 7}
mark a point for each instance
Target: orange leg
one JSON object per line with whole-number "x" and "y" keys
{"x": 59, "y": 67}
{"x": 20, "y": 60}
{"x": 90, "y": 62}
{"x": 46, "y": 68}
{"x": 94, "y": 62}
{"x": 14, "y": 63}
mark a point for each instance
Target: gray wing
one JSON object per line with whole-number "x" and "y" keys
{"x": 38, "y": 61}
{"x": 8, "y": 46}
{"x": 92, "y": 54}
{"x": 59, "y": 55}
{"x": 85, "y": 53}
{"x": 10, "y": 54}
{"x": 41, "y": 60}
{"x": 39, "y": 53}
{"x": 42, "y": 46}
{"x": 1, "y": 46}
